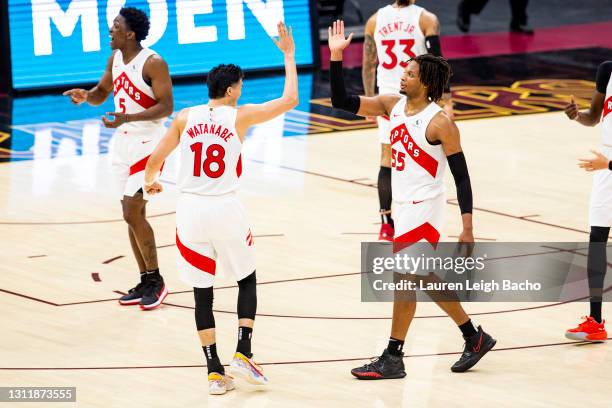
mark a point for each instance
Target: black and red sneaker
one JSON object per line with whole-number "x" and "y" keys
{"x": 384, "y": 367}
{"x": 134, "y": 295}
{"x": 475, "y": 348}
{"x": 155, "y": 292}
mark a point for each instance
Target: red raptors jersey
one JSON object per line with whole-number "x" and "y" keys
{"x": 398, "y": 38}
{"x": 417, "y": 166}
{"x": 210, "y": 151}
{"x": 131, "y": 93}
{"x": 607, "y": 115}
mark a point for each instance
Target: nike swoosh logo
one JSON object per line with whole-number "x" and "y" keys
{"x": 477, "y": 347}
{"x": 145, "y": 141}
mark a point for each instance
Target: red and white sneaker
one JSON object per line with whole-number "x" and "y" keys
{"x": 386, "y": 233}
{"x": 589, "y": 330}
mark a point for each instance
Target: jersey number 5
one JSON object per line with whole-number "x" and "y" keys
{"x": 214, "y": 154}
{"x": 389, "y": 45}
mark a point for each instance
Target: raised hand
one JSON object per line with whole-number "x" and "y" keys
{"x": 285, "y": 41}
{"x": 336, "y": 40}
{"x": 599, "y": 162}
{"x": 571, "y": 110}
{"x": 77, "y": 96}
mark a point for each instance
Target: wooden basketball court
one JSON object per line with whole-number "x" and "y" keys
{"x": 311, "y": 201}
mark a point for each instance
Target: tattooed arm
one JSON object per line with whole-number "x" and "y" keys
{"x": 370, "y": 58}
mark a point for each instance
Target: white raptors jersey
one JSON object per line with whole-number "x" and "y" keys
{"x": 210, "y": 151}
{"x": 131, "y": 93}
{"x": 607, "y": 115}
{"x": 417, "y": 166}
{"x": 398, "y": 38}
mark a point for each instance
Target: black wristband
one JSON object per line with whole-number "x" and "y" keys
{"x": 339, "y": 98}
{"x": 458, "y": 167}
{"x": 610, "y": 165}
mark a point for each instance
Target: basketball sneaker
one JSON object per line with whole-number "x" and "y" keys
{"x": 245, "y": 368}
{"x": 155, "y": 292}
{"x": 386, "y": 233}
{"x": 588, "y": 330}
{"x": 219, "y": 384}
{"x": 384, "y": 367}
{"x": 135, "y": 294}
{"x": 475, "y": 348}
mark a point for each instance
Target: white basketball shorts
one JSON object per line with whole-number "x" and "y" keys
{"x": 130, "y": 151}
{"x": 212, "y": 236}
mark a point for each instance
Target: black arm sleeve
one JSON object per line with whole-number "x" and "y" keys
{"x": 432, "y": 43}
{"x": 339, "y": 98}
{"x": 603, "y": 76}
{"x": 458, "y": 167}
{"x": 434, "y": 47}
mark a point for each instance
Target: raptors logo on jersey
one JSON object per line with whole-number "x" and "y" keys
{"x": 398, "y": 38}
{"x": 131, "y": 93}
{"x": 606, "y": 117}
{"x": 210, "y": 151}
{"x": 417, "y": 165}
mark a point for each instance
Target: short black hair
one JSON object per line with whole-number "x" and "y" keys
{"x": 434, "y": 74}
{"x": 222, "y": 77}
{"x": 137, "y": 21}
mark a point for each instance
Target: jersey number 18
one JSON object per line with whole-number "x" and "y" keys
{"x": 214, "y": 154}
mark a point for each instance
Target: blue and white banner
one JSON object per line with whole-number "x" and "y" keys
{"x": 61, "y": 42}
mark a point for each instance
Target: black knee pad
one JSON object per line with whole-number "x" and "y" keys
{"x": 597, "y": 261}
{"x": 203, "y": 308}
{"x": 247, "y": 297}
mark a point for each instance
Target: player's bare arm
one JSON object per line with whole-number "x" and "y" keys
{"x": 370, "y": 58}
{"x": 360, "y": 105}
{"x": 156, "y": 72}
{"x": 589, "y": 117}
{"x": 430, "y": 26}
{"x": 98, "y": 94}
{"x": 592, "y": 116}
{"x": 166, "y": 145}
{"x": 252, "y": 114}
{"x": 443, "y": 129}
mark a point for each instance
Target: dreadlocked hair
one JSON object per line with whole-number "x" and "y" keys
{"x": 434, "y": 74}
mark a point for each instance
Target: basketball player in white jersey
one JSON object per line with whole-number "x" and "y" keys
{"x": 142, "y": 89}
{"x": 212, "y": 231}
{"x": 394, "y": 34}
{"x": 423, "y": 139}
{"x": 600, "y": 213}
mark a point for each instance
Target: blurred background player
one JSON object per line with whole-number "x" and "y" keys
{"x": 518, "y": 23}
{"x": 600, "y": 213}
{"x": 212, "y": 226}
{"x": 423, "y": 139}
{"x": 142, "y": 88}
{"x": 393, "y": 35}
